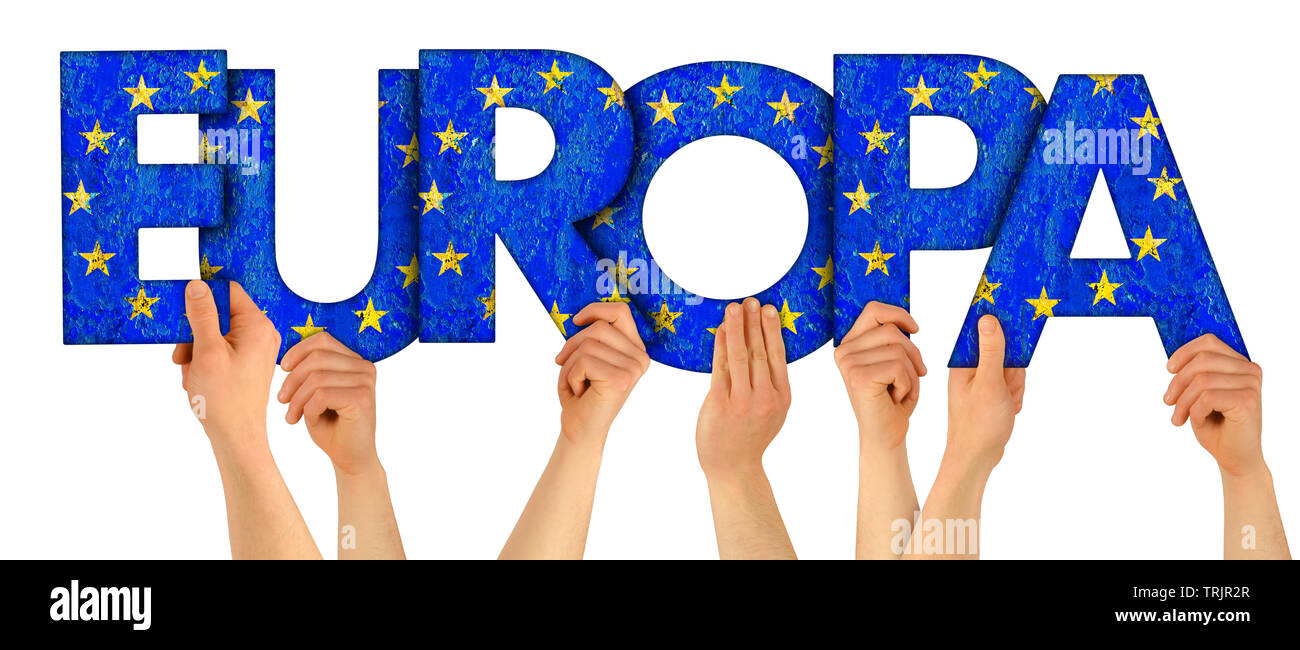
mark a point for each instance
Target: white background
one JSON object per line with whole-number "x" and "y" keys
{"x": 101, "y": 458}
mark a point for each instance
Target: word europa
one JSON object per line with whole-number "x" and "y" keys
{"x": 575, "y": 229}
{"x": 77, "y": 603}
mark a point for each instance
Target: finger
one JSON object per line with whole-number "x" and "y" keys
{"x": 589, "y": 371}
{"x": 1232, "y": 404}
{"x": 201, "y": 311}
{"x": 886, "y": 368}
{"x": 319, "y": 361}
{"x": 883, "y": 335}
{"x": 617, "y": 314}
{"x": 605, "y": 333}
{"x": 775, "y": 349}
{"x": 876, "y": 314}
{"x": 318, "y": 341}
{"x": 992, "y": 348}
{"x": 339, "y": 400}
{"x": 1202, "y": 343}
{"x": 737, "y": 355}
{"x": 182, "y": 353}
{"x": 185, "y": 377}
{"x": 1208, "y": 383}
{"x": 1015, "y": 378}
{"x": 720, "y": 380}
{"x": 760, "y": 375}
{"x": 319, "y": 380}
{"x": 243, "y": 311}
{"x": 1208, "y": 362}
{"x": 571, "y": 375}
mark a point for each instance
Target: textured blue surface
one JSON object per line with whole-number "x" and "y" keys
{"x": 535, "y": 217}
{"x": 871, "y": 88}
{"x": 244, "y": 247}
{"x": 128, "y": 196}
{"x": 1180, "y": 290}
{"x": 689, "y": 344}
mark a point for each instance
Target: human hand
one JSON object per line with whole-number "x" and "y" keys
{"x": 1218, "y": 391}
{"x": 881, "y": 369}
{"x": 750, "y": 394}
{"x": 599, "y": 366}
{"x": 334, "y": 389}
{"x": 983, "y": 402}
{"x": 228, "y": 378}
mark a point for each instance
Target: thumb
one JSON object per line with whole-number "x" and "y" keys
{"x": 992, "y": 348}
{"x": 201, "y": 311}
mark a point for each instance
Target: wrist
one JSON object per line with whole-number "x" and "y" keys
{"x": 354, "y": 468}
{"x": 249, "y": 449}
{"x": 969, "y": 465}
{"x": 734, "y": 474}
{"x": 1247, "y": 473}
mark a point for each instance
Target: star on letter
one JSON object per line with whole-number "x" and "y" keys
{"x": 206, "y": 270}
{"x": 985, "y": 290}
{"x": 876, "y": 138}
{"x": 827, "y": 152}
{"x": 605, "y": 216}
{"x": 980, "y": 78}
{"x": 1042, "y": 304}
{"x": 554, "y": 78}
{"x": 141, "y": 95}
{"x": 788, "y": 317}
{"x": 556, "y": 316}
{"x": 450, "y": 139}
{"x": 494, "y": 94}
{"x": 724, "y": 92}
{"x": 826, "y": 273}
{"x": 1104, "y": 288}
{"x": 784, "y": 108}
{"x": 489, "y": 304}
{"x": 207, "y": 151}
{"x": 248, "y": 107}
{"x": 141, "y": 304}
{"x": 1038, "y": 97}
{"x": 1148, "y": 246}
{"x": 876, "y": 260}
{"x": 1164, "y": 184}
{"x": 664, "y": 108}
{"x": 201, "y": 78}
{"x": 307, "y": 329}
{"x": 920, "y": 94}
{"x": 433, "y": 199}
{"x": 1147, "y": 123}
{"x": 80, "y": 199}
{"x": 861, "y": 199}
{"x": 95, "y": 138}
{"x": 1106, "y": 81}
{"x": 96, "y": 259}
{"x": 369, "y": 317}
{"x": 450, "y": 260}
{"x": 411, "y": 150}
{"x": 664, "y": 318}
{"x": 613, "y": 95}
{"x": 411, "y": 271}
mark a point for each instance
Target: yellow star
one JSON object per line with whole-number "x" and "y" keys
{"x": 788, "y": 317}
{"x": 489, "y": 304}
{"x": 664, "y": 318}
{"x": 556, "y": 316}
{"x": 1147, "y": 123}
{"x": 1042, "y": 304}
{"x": 1038, "y": 97}
{"x": 985, "y": 290}
{"x": 381, "y": 105}
{"x": 615, "y": 296}
{"x": 206, "y": 270}
{"x": 980, "y": 78}
{"x": 309, "y": 328}
{"x": 876, "y": 260}
{"x": 450, "y": 260}
{"x": 494, "y": 94}
{"x": 784, "y": 108}
{"x": 207, "y": 151}
{"x": 412, "y": 272}
{"x": 1164, "y": 184}
{"x": 95, "y": 138}
{"x": 827, "y": 152}
{"x": 201, "y": 78}
{"x": 1106, "y": 81}
{"x": 664, "y": 108}
{"x": 141, "y": 95}
{"x": 1104, "y": 288}
{"x": 450, "y": 138}
{"x": 827, "y": 273}
{"x": 613, "y": 95}
{"x": 248, "y": 107}
{"x": 96, "y": 259}
{"x": 433, "y": 199}
{"x": 876, "y": 138}
{"x": 141, "y": 304}
{"x": 81, "y": 198}
{"x": 861, "y": 199}
{"x": 1148, "y": 246}
{"x": 920, "y": 94}
{"x": 554, "y": 78}
{"x": 369, "y": 317}
{"x": 724, "y": 92}
{"x": 411, "y": 150}
{"x": 605, "y": 216}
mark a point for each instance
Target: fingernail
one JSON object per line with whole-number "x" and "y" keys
{"x": 751, "y": 304}
{"x": 197, "y": 289}
{"x": 769, "y": 310}
{"x": 986, "y": 325}
{"x": 733, "y": 309}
